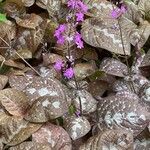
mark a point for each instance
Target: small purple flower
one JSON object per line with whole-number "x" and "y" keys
{"x": 83, "y": 8}
{"x": 78, "y": 113}
{"x": 58, "y": 65}
{"x": 123, "y": 9}
{"x": 61, "y": 40}
{"x": 72, "y": 4}
{"x": 59, "y": 33}
{"x": 78, "y": 41}
{"x": 115, "y": 13}
{"x": 78, "y": 5}
{"x": 69, "y": 73}
{"x": 80, "y": 16}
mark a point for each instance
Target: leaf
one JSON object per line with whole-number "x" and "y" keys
{"x": 146, "y": 60}
{"x": 54, "y": 8}
{"x": 53, "y": 135}
{"x": 88, "y": 103}
{"x": 3, "y": 17}
{"x": 31, "y": 146}
{"x": 144, "y": 95}
{"x": 15, "y": 81}
{"x": 99, "y": 8}
{"x": 105, "y": 33}
{"x": 28, "y": 3}
{"x": 15, "y": 130}
{"x": 110, "y": 139}
{"x": 133, "y": 14}
{"x": 82, "y": 70}
{"x": 14, "y": 101}
{"x": 31, "y": 38}
{"x": 97, "y": 88}
{"x": 76, "y": 127}
{"x": 40, "y": 86}
{"x": 114, "y": 67}
{"x": 142, "y": 144}
{"x": 97, "y": 74}
{"x": 30, "y": 21}
{"x": 14, "y": 8}
{"x": 144, "y": 7}
{"x": 3, "y": 81}
{"x": 46, "y": 108}
{"x": 123, "y": 111}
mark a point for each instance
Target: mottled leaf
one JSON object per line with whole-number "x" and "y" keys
{"x": 76, "y": 127}
{"x": 44, "y": 87}
{"x": 53, "y": 135}
{"x": 31, "y": 146}
{"x": 14, "y": 101}
{"x": 110, "y": 140}
{"x": 15, "y": 130}
{"x": 142, "y": 145}
{"x": 113, "y": 67}
{"x": 28, "y": 3}
{"x": 46, "y": 108}
{"x": 82, "y": 70}
{"x": 105, "y": 33}
{"x": 3, "y": 81}
{"x": 88, "y": 103}
{"x": 123, "y": 111}
{"x": 30, "y": 21}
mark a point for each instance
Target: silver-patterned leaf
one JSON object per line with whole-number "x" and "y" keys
{"x": 132, "y": 12}
{"x": 142, "y": 144}
{"x": 140, "y": 35}
{"x": 53, "y": 135}
{"x": 88, "y": 103}
{"x": 99, "y": 8}
{"x": 123, "y": 111}
{"x": 146, "y": 60}
{"x": 28, "y": 3}
{"x": 44, "y": 87}
{"x": 82, "y": 70}
{"x": 15, "y": 130}
{"x": 105, "y": 33}
{"x": 54, "y": 8}
{"x": 110, "y": 140}
{"x": 144, "y": 7}
{"x": 14, "y": 101}
{"x": 46, "y": 108}
{"x": 144, "y": 95}
{"x": 114, "y": 67}
{"x": 30, "y": 21}
{"x": 3, "y": 81}
{"x": 76, "y": 127}
{"x": 31, "y": 146}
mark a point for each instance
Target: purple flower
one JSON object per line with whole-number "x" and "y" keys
{"x": 78, "y": 41}
{"x": 80, "y": 16}
{"x": 58, "y": 65}
{"x": 72, "y": 4}
{"x": 83, "y": 8}
{"x": 61, "y": 40}
{"x": 59, "y": 33}
{"x": 69, "y": 73}
{"x": 123, "y": 9}
{"x": 60, "y": 30}
{"x": 78, "y": 5}
{"x": 78, "y": 113}
{"x": 115, "y": 13}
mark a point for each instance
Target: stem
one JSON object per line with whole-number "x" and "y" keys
{"x": 27, "y": 63}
